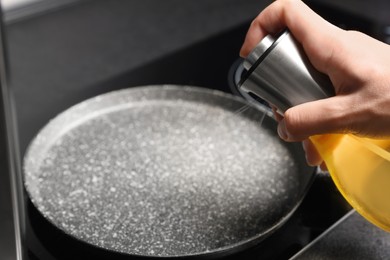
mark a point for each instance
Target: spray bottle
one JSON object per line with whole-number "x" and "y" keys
{"x": 279, "y": 72}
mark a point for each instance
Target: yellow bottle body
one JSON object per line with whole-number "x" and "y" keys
{"x": 360, "y": 168}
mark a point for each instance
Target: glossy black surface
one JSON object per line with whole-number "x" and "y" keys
{"x": 7, "y": 234}
{"x": 63, "y": 57}
{"x": 352, "y": 238}
{"x": 318, "y": 212}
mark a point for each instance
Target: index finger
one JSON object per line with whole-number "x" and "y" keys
{"x": 307, "y": 27}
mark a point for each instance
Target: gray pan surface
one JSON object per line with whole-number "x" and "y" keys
{"x": 165, "y": 171}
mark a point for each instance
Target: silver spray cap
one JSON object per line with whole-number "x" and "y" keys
{"x": 279, "y": 72}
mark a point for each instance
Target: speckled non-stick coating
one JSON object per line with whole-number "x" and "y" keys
{"x": 163, "y": 171}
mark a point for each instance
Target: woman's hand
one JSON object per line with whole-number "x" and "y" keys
{"x": 357, "y": 65}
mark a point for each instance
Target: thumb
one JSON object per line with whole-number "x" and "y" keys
{"x": 317, "y": 117}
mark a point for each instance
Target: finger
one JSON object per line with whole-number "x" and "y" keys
{"x": 323, "y": 167}
{"x": 278, "y": 117}
{"x": 253, "y": 36}
{"x": 312, "y": 118}
{"x": 307, "y": 27}
{"x": 313, "y": 158}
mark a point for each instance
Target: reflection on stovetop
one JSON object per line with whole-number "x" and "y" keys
{"x": 207, "y": 64}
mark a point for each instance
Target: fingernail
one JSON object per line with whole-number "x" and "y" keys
{"x": 282, "y": 131}
{"x": 304, "y": 146}
{"x": 308, "y": 161}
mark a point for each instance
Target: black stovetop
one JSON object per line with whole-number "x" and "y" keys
{"x": 207, "y": 62}
{"x": 322, "y": 207}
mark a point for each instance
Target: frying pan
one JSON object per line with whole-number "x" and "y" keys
{"x": 165, "y": 171}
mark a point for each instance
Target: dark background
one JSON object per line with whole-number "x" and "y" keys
{"x": 62, "y": 55}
